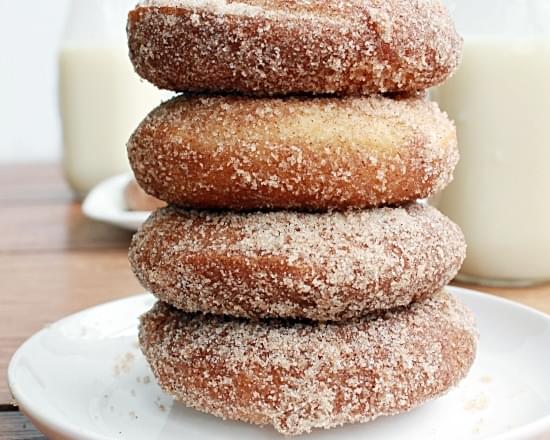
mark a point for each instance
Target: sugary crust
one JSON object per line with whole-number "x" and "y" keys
{"x": 227, "y": 152}
{"x": 300, "y": 376}
{"x": 322, "y": 267}
{"x": 293, "y": 46}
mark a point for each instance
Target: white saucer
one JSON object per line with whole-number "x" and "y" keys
{"x": 106, "y": 203}
{"x": 84, "y": 378}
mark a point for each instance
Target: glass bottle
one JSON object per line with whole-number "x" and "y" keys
{"x": 102, "y": 99}
{"x": 500, "y": 101}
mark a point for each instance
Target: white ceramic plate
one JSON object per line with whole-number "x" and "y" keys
{"x": 106, "y": 203}
{"x": 84, "y": 378}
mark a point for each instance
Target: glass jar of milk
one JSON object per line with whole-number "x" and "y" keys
{"x": 500, "y": 101}
{"x": 102, "y": 100}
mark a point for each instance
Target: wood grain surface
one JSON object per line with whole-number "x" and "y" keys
{"x": 54, "y": 261}
{"x": 15, "y": 426}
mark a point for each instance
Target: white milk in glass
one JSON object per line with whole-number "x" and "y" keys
{"x": 500, "y": 102}
{"x": 102, "y": 99}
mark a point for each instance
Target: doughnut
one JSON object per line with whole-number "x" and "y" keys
{"x": 276, "y": 47}
{"x": 138, "y": 200}
{"x": 328, "y": 266}
{"x": 298, "y": 376}
{"x": 315, "y": 154}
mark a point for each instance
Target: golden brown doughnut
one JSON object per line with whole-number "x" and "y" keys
{"x": 138, "y": 200}
{"x": 294, "y": 153}
{"x": 267, "y": 47}
{"x": 298, "y": 376}
{"x": 328, "y": 266}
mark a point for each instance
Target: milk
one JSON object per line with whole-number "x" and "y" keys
{"x": 500, "y": 101}
{"x": 102, "y": 101}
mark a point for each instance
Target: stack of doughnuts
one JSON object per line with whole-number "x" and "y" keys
{"x": 300, "y": 280}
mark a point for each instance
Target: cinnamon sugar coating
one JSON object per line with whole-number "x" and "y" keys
{"x": 298, "y": 376}
{"x": 329, "y": 266}
{"x": 268, "y": 47}
{"x": 227, "y": 152}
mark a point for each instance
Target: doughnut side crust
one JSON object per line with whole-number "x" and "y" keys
{"x": 275, "y": 47}
{"x": 310, "y": 154}
{"x": 301, "y": 376}
{"x": 322, "y": 267}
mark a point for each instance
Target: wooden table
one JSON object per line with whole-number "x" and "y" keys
{"x": 54, "y": 261}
